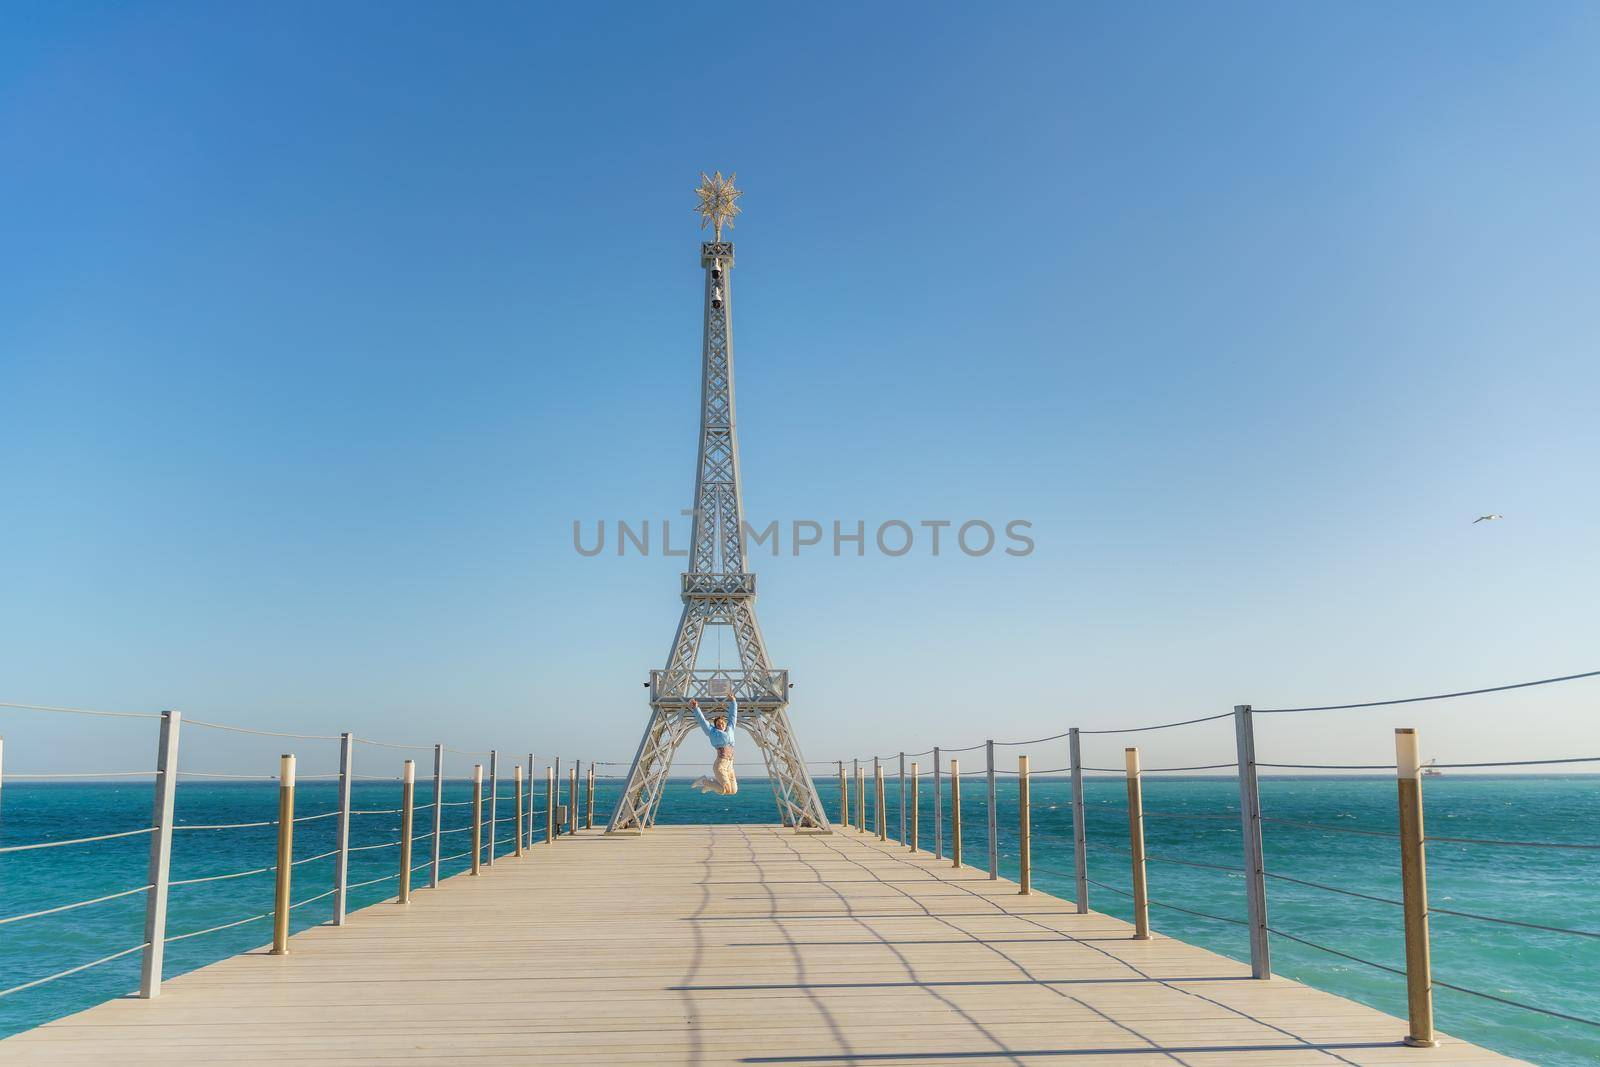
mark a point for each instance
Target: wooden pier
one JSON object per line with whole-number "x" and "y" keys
{"x": 730, "y": 945}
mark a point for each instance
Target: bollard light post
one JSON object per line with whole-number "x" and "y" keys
{"x": 408, "y": 795}
{"x": 1141, "y": 903}
{"x": 1414, "y": 890}
{"x": 280, "y": 896}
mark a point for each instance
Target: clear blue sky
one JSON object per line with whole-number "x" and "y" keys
{"x": 320, "y": 324}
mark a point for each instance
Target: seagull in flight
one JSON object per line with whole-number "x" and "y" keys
{"x": 1485, "y": 518}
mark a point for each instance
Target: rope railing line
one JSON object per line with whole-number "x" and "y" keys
{"x": 1517, "y": 1004}
{"x": 1163, "y": 725}
{"x": 319, "y": 896}
{"x": 73, "y": 970}
{"x": 1328, "y": 766}
{"x": 384, "y": 811}
{"x": 390, "y": 744}
{"x": 77, "y": 840}
{"x": 222, "y": 877}
{"x": 374, "y": 777}
{"x": 424, "y": 863}
{"x": 214, "y": 929}
{"x": 464, "y": 752}
{"x": 1091, "y": 881}
{"x": 258, "y": 733}
{"x": 1035, "y": 741}
{"x": 1198, "y": 767}
{"x": 1108, "y": 770}
{"x": 318, "y": 856}
{"x": 1194, "y": 863}
{"x": 84, "y": 711}
{"x": 1436, "y": 696}
{"x": 1150, "y": 900}
{"x": 72, "y": 907}
{"x": 1430, "y": 839}
{"x": 1335, "y": 952}
{"x": 1330, "y": 829}
{"x": 456, "y": 830}
{"x": 48, "y": 775}
{"x": 219, "y": 774}
{"x": 1512, "y": 922}
{"x": 456, "y": 856}
{"x": 369, "y": 848}
{"x": 375, "y": 881}
{"x": 1331, "y": 888}
{"x": 318, "y": 815}
{"x": 225, "y": 825}
{"x": 1520, "y": 762}
{"x": 1185, "y": 815}
{"x": 450, "y": 803}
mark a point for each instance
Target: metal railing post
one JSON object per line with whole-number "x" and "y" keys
{"x": 902, "y": 798}
{"x": 550, "y": 804}
{"x": 1250, "y": 824}
{"x": 877, "y": 799}
{"x": 408, "y": 796}
{"x": 517, "y": 784}
{"x": 914, "y": 807}
{"x": 494, "y": 799}
{"x": 938, "y": 801}
{"x": 1080, "y": 853}
{"x": 1024, "y": 830}
{"x": 588, "y": 808}
{"x": 341, "y": 861}
{"x": 438, "y": 815}
{"x": 477, "y": 817}
{"x": 1141, "y": 903}
{"x": 994, "y": 842}
{"x": 1414, "y": 890}
{"x": 572, "y": 802}
{"x": 280, "y": 906}
{"x": 155, "y": 901}
{"x": 955, "y": 813}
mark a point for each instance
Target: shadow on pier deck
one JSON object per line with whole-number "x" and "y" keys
{"x": 730, "y": 945}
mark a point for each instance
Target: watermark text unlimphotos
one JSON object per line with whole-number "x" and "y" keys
{"x": 893, "y": 537}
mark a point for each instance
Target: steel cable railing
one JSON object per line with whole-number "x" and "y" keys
{"x": 77, "y": 840}
{"x": 74, "y": 906}
{"x": 1249, "y": 821}
{"x": 165, "y": 778}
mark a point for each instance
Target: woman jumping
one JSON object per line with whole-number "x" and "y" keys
{"x": 720, "y": 731}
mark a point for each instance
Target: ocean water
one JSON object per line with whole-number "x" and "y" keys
{"x": 1193, "y": 819}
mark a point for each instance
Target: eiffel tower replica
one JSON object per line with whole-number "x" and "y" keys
{"x": 718, "y": 590}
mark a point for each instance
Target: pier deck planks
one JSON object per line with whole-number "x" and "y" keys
{"x": 731, "y": 945}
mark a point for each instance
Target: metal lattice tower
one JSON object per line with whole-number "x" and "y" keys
{"x": 718, "y": 590}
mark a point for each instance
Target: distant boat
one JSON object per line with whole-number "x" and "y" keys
{"x": 1432, "y": 771}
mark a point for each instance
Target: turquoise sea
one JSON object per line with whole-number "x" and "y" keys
{"x": 1189, "y": 819}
